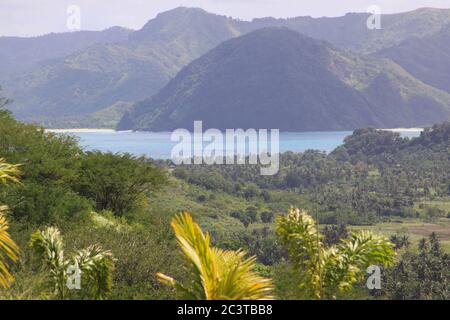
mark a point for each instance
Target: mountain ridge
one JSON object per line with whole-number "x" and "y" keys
{"x": 279, "y": 78}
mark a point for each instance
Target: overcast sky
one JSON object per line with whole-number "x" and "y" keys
{"x": 37, "y": 17}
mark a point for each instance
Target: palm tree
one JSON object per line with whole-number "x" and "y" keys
{"x": 218, "y": 274}
{"x": 96, "y": 265}
{"x": 327, "y": 271}
{"x": 8, "y": 248}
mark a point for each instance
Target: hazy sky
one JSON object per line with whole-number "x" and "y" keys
{"x": 37, "y": 17}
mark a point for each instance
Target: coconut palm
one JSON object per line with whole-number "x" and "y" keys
{"x": 327, "y": 271}
{"x": 218, "y": 274}
{"x": 8, "y": 249}
{"x": 96, "y": 265}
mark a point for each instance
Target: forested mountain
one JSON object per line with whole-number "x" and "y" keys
{"x": 426, "y": 58}
{"x": 278, "y": 78}
{"x": 69, "y": 89}
{"x": 18, "y": 54}
{"x": 92, "y": 76}
{"x": 351, "y": 32}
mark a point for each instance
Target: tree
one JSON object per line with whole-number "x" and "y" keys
{"x": 96, "y": 265}
{"x": 334, "y": 234}
{"x": 243, "y": 217}
{"x": 267, "y": 217}
{"x": 400, "y": 241}
{"x": 50, "y": 168}
{"x": 325, "y": 272}
{"x": 424, "y": 275}
{"x": 117, "y": 182}
{"x": 8, "y": 248}
{"x": 217, "y": 274}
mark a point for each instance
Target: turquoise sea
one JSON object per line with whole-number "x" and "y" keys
{"x": 158, "y": 145}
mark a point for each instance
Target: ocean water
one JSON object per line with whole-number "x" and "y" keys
{"x": 158, "y": 145}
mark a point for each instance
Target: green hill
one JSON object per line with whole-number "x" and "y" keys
{"x": 278, "y": 78}
{"x": 426, "y": 58}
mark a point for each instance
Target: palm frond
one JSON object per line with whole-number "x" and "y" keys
{"x": 354, "y": 255}
{"x": 9, "y": 172}
{"x": 8, "y": 251}
{"x": 326, "y": 271}
{"x": 218, "y": 274}
{"x": 48, "y": 246}
{"x": 298, "y": 232}
{"x": 96, "y": 266}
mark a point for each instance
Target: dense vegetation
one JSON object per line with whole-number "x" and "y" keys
{"x": 118, "y": 208}
{"x": 94, "y": 200}
{"x": 372, "y": 176}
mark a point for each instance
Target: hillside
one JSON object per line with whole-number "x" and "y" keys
{"x": 426, "y": 58}
{"x": 94, "y": 79}
{"x": 75, "y": 81}
{"x": 19, "y": 54}
{"x": 278, "y": 78}
{"x": 351, "y": 32}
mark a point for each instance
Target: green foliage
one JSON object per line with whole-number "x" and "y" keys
{"x": 327, "y": 271}
{"x": 9, "y": 250}
{"x": 217, "y": 274}
{"x": 48, "y": 246}
{"x": 117, "y": 182}
{"x": 61, "y": 182}
{"x": 265, "y": 246}
{"x": 95, "y": 264}
{"x": 334, "y": 234}
{"x": 423, "y": 276}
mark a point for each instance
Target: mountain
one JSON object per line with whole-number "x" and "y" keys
{"x": 278, "y": 78}
{"x": 97, "y": 77}
{"x": 92, "y": 76}
{"x": 426, "y": 58}
{"x": 350, "y": 31}
{"x": 18, "y": 54}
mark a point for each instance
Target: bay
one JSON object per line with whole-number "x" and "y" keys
{"x": 158, "y": 145}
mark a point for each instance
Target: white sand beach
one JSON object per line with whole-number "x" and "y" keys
{"x": 79, "y": 130}
{"x": 404, "y": 129}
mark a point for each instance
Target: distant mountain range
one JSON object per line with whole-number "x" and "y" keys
{"x": 278, "y": 78}
{"x": 92, "y": 78}
{"x": 427, "y": 58}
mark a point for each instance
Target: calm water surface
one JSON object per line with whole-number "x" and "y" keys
{"x": 157, "y": 145}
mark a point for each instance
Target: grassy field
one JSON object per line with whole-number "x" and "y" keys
{"x": 416, "y": 229}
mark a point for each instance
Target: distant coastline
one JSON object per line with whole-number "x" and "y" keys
{"x": 79, "y": 130}
{"x": 99, "y": 130}
{"x": 404, "y": 129}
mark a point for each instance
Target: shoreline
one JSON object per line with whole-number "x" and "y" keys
{"x": 99, "y": 130}
{"x": 79, "y": 130}
{"x": 404, "y": 129}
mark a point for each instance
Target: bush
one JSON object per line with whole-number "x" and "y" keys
{"x": 117, "y": 182}
{"x": 267, "y": 217}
